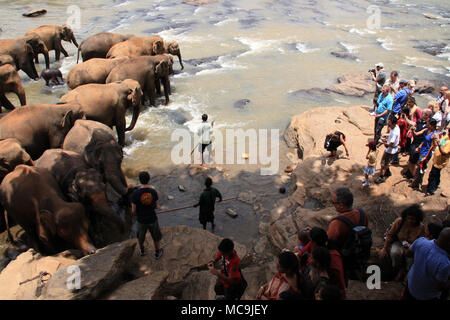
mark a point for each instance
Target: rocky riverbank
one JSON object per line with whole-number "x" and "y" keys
{"x": 118, "y": 272}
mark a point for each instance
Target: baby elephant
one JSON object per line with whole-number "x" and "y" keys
{"x": 52, "y": 77}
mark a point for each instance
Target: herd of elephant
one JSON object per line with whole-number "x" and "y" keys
{"x": 60, "y": 164}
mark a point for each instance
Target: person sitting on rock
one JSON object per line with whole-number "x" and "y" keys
{"x": 206, "y": 203}
{"x": 429, "y": 276}
{"x": 230, "y": 282}
{"x": 287, "y": 278}
{"x": 333, "y": 141}
{"x": 403, "y": 232}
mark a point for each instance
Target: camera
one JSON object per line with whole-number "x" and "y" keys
{"x": 372, "y": 71}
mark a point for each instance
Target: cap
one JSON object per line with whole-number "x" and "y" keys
{"x": 379, "y": 64}
{"x": 371, "y": 143}
{"x": 403, "y": 81}
{"x": 412, "y": 83}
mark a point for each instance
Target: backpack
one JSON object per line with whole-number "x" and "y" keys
{"x": 356, "y": 248}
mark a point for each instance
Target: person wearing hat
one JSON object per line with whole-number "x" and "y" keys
{"x": 371, "y": 157}
{"x": 205, "y": 131}
{"x": 401, "y": 97}
{"x": 379, "y": 80}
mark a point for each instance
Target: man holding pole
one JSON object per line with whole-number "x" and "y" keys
{"x": 207, "y": 202}
{"x": 204, "y": 131}
{"x": 144, "y": 201}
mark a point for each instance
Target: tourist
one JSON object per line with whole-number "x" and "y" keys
{"x": 207, "y": 203}
{"x": 144, "y": 201}
{"x": 379, "y": 80}
{"x": 204, "y": 131}
{"x": 328, "y": 292}
{"x": 418, "y": 132}
{"x": 403, "y": 232}
{"x": 393, "y": 82}
{"x": 333, "y": 141}
{"x": 414, "y": 111}
{"x": 430, "y": 272}
{"x": 316, "y": 274}
{"x": 401, "y": 97}
{"x": 412, "y": 87}
{"x": 442, "y": 97}
{"x": 445, "y": 109}
{"x": 391, "y": 145}
{"x": 371, "y": 157}
{"x": 433, "y": 230}
{"x": 230, "y": 282}
{"x": 382, "y": 111}
{"x": 437, "y": 113}
{"x": 440, "y": 160}
{"x": 303, "y": 239}
{"x": 425, "y": 151}
{"x": 286, "y": 279}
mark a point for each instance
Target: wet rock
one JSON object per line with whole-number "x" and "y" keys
{"x": 353, "y": 85}
{"x": 231, "y": 213}
{"x": 241, "y": 104}
{"x": 170, "y": 197}
{"x": 35, "y": 13}
{"x": 344, "y": 55}
{"x": 100, "y": 273}
{"x": 431, "y": 47}
{"x": 423, "y": 86}
{"x": 181, "y": 188}
{"x": 177, "y": 116}
{"x": 145, "y": 288}
{"x": 20, "y": 279}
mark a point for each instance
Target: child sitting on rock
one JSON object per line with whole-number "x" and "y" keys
{"x": 371, "y": 157}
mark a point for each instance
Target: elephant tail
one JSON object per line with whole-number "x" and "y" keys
{"x": 78, "y": 54}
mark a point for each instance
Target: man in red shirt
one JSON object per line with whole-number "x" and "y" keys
{"x": 338, "y": 231}
{"x": 230, "y": 282}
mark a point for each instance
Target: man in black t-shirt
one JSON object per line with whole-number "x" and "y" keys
{"x": 144, "y": 202}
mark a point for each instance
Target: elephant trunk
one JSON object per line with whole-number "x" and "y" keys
{"x": 74, "y": 41}
{"x": 181, "y": 62}
{"x": 102, "y": 207}
{"x": 21, "y": 95}
{"x": 117, "y": 181}
{"x": 136, "y": 110}
{"x": 47, "y": 59}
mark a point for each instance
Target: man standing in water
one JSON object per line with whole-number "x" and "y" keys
{"x": 205, "y": 132}
{"x": 206, "y": 203}
{"x": 144, "y": 201}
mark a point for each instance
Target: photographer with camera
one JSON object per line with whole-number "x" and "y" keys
{"x": 379, "y": 80}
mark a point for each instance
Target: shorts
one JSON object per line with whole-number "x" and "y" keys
{"x": 369, "y": 170}
{"x": 333, "y": 145}
{"x": 204, "y": 146}
{"x": 414, "y": 158}
{"x": 387, "y": 157}
{"x": 153, "y": 228}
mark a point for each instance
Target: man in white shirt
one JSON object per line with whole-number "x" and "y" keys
{"x": 391, "y": 145}
{"x": 204, "y": 131}
{"x": 393, "y": 82}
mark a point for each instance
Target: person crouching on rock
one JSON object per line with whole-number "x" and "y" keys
{"x": 333, "y": 141}
{"x": 206, "y": 203}
{"x": 230, "y": 282}
{"x": 144, "y": 201}
{"x": 371, "y": 157}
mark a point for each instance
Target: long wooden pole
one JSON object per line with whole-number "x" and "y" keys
{"x": 186, "y": 207}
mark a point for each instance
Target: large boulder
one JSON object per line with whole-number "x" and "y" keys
{"x": 99, "y": 273}
{"x": 353, "y": 85}
{"x": 144, "y": 288}
{"x": 25, "y": 277}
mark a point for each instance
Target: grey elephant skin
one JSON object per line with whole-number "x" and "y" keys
{"x": 31, "y": 196}
{"x": 98, "y": 45}
{"x": 81, "y": 183}
{"x": 108, "y": 103}
{"x": 40, "y": 127}
{"x": 10, "y": 82}
{"x": 22, "y": 53}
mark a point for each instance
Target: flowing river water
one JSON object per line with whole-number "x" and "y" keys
{"x": 262, "y": 51}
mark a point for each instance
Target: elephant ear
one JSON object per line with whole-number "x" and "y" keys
{"x": 67, "y": 120}
{"x": 132, "y": 94}
{"x": 173, "y": 48}
{"x": 162, "y": 68}
{"x": 46, "y": 226}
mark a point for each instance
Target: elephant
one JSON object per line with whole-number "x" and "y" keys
{"x": 52, "y": 36}
{"x": 83, "y": 184}
{"x": 95, "y": 70}
{"x": 137, "y": 46}
{"x": 98, "y": 45}
{"x": 108, "y": 103}
{"x": 40, "y": 127}
{"x": 6, "y": 59}
{"x": 52, "y": 77}
{"x": 10, "y": 82}
{"x": 38, "y": 46}
{"x": 32, "y": 197}
{"x": 98, "y": 146}
{"x": 11, "y": 155}
{"x": 22, "y": 53}
{"x": 174, "y": 49}
{"x": 146, "y": 70}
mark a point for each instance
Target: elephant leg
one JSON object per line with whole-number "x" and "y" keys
{"x": 150, "y": 90}
{"x": 63, "y": 50}
{"x": 6, "y": 103}
{"x": 57, "y": 54}
{"x": 10, "y": 237}
{"x": 166, "y": 90}
{"x": 36, "y": 58}
{"x": 157, "y": 85}
{"x": 120, "y": 128}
